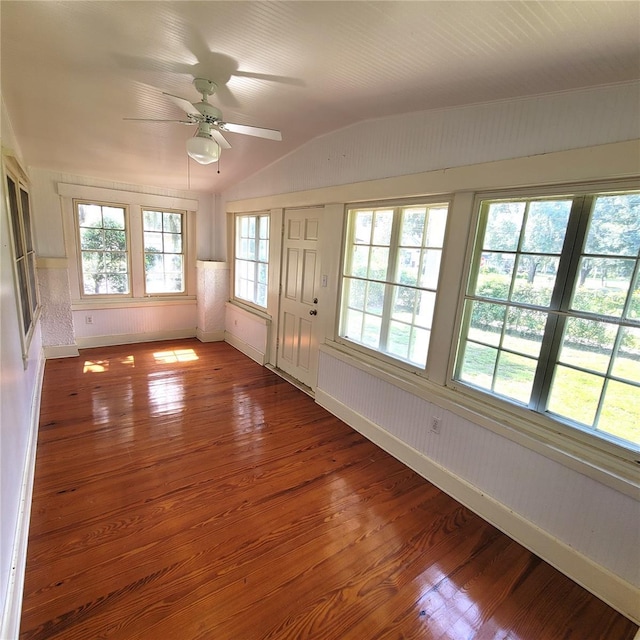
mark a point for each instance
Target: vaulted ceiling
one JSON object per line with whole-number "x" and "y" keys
{"x": 72, "y": 71}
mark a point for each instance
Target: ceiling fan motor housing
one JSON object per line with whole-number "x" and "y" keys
{"x": 210, "y": 113}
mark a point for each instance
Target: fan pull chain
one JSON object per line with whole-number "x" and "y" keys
{"x": 188, "y": 174}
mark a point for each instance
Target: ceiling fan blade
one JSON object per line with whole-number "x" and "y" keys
{"x": 220, "y": 139}
{"x": 226, "y": 97}
{"x": 159, "y": 120}
{"x": 295, "y": 82}
{"x": 258, "y": 132}
{"x": 183, "y": 103}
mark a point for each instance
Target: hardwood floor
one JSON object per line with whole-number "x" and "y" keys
{"x": 182, "y": 492}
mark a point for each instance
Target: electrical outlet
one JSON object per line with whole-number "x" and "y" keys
{"x": 435, "y": 424}
{"x": 88, "y": 319}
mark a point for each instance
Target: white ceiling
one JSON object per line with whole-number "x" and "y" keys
{"x": 71, "y": 71}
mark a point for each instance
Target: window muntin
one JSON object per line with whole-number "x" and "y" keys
{"x": 551, "y": 317}
{"x": 251, "y": 266}
{"x": 163, "y": 251}
{"x": 390, "y": 277}
{"x": 104, "y": 250}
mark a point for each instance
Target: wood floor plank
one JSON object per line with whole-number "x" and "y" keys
{"x": 182, "y": 491}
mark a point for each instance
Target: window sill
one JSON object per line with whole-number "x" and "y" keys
{"x": 541, "y": 435}
{"x": 122, "y": 303}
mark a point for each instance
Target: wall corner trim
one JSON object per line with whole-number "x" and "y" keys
{"x": 245, "y": 348}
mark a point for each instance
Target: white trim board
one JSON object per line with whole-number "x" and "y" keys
{"x": 245, "y": 348}
{"x": 133, "y": 338}
{"x": 10, "y": 623}
{"x": 126, "y": 197}
{"x": 613, "y": 590}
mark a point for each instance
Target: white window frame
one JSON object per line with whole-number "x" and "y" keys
{"x": 394, "y": 247}
{"x": 566, "y": 436}
{"x": 182, "y": 253}
{"x": 255, "y": 261}
{"x": 27, "y": 294}
{"x": 135, "y": 202}
{"x": 127, "y": 231}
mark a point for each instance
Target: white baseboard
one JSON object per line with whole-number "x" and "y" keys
{"x": 10, "y": 623}
{"x": 210, "y": 336}
{"x": 245, "y": 348}
{"x": 133, "y": 338}
{"x": 62, "y": 351}
{"x": 604, "y": 584}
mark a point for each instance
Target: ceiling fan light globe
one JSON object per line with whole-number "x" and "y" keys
{"x": 203, "y": 150}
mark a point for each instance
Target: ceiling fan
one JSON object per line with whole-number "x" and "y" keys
{"x": 208, "y": 141}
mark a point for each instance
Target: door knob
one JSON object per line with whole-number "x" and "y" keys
{"x": 313, "y": 312}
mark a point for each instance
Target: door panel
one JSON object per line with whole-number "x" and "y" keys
{"x": 298, "y": 328}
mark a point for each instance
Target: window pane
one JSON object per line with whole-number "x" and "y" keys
{"x": 605, "y": 287}
{"x": 263, "y": 250}
{"x": 504, "y": 222}
{"x": 152, "y": 221}
{"x": 90, "y": 215}
{"x": 535, "y": 280}
{"x": 172, "y": 243}
{"x": 613, "y": 228}
{"x": 588, "y": 344}
{"x": 419, "y": 346}
{"x": 115, "y": 262}
{"x": 382, "y": 227}
{"x": 354, "y": 322}
{"x": 430, "y": 271}
{"x": 486, "y": 322}
{"x": 494, "y": 275}
{"x": 412, "y": 229}
{"x": 371, "y": 330}
{"x": 264, "y": 227}
{"x": 524, "y": 331}
{"x": 626, "y": 364}
{"x": 172, "y": 222}
{"x": 359, "y": 262}
{"x": 92, "y": 239}
{"x": 408, "y": 265}
{"x": 404, "y": 301}
{"x": 375, "y": 297}
{"x": 514, "y": 376}
{"x": 436, "y": 226}
{"x": 399, "y": 337}
{"x": 355, "y": 294}
{"x": 575, "y": 395}
{"x": 478, "y": 365}
{"x": 546, "y": 226}
{"x": 153, "y": 242}
{"x": 363, "y": 224}
{"x": 117, "y": 283}
{"x": 113, "y": 217}
{"x": 425, "y": 308}
{"x": 620, "y": 415}
{"x": 378, "y": 263}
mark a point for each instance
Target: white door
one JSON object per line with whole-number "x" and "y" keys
{"x": 298, "y": 325}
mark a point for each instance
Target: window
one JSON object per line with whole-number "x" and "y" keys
{"x": 551, "y": 316}
{"x": 111, "y": 236}
{"x": 23, "y": 253}
{"x": 104, "y": 249}
{"x": 163, "y": 251}
{"x": 251, "y": 264}
{"x": 390, "y": 278}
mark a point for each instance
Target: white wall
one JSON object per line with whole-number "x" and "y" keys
{"x": 585, "y": 527}
{"x": 19, "y": 403}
